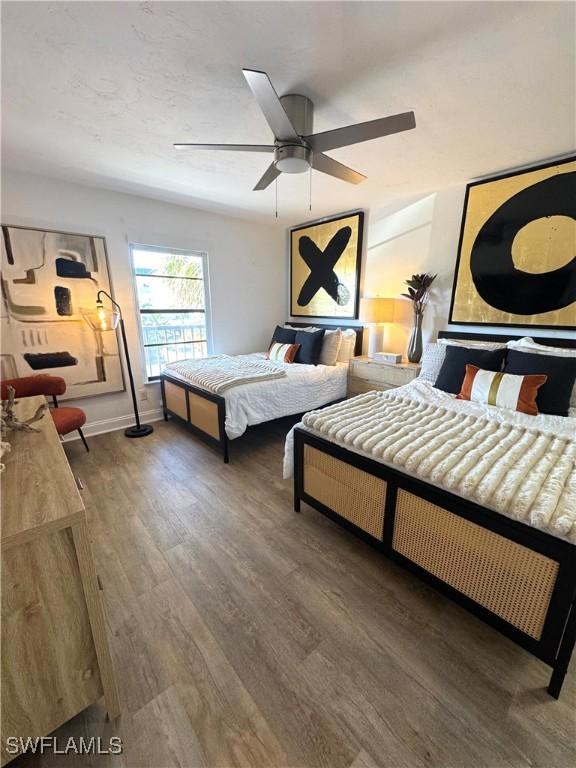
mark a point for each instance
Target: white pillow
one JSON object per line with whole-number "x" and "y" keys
{"x": 347, "y": 346}
{"x": 528, "y": 344}
{"x": 471, "y": 343}
{"x": 330, "y": 347}
{"x": 432, "y": 359}
{"x": 330, "y": 343}
{"x": 435, "y": 352}
{"x": 531, "y": 347}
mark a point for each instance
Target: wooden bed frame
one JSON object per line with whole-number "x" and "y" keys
{"x": 204, "y": 413}
{"x": 518, "y": 579}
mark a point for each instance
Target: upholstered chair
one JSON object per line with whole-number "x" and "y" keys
{"x": 66, "y": 418}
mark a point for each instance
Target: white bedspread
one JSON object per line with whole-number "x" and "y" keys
{"x": 521, "y": 466}
{"x": 303, "y": 388}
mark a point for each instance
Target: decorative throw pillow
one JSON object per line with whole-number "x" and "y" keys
{"x": 330, "y": 344}
{"x": 283, "y": 335}
{"x": 283, "y": 353}
{"x": 528, "y": 345}
{"x": 435, "y": 353}
{"x": 432, "y": 360}
{"x": 504, "y": 390}
{"x": 453, "y": 368}
{"x": 347, "y": 346}
{"x": 330, "y": 347}
{"x": 554, "y": 396}
{"x": 310, "y": 346}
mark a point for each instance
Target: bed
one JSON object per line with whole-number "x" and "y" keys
{"x": 505, "y": 552}
{"x": 221, "y": 418}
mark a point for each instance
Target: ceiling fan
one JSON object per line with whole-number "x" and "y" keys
{"x": 295, "y": 147}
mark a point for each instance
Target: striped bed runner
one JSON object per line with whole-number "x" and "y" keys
{"x": 219, "y": 373}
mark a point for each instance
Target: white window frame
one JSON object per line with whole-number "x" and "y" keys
{"x": 207, "y": 301}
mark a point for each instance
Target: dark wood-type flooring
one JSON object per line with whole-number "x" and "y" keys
{"x": 244, "y": 634}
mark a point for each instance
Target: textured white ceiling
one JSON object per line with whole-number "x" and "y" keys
{"x": 96, "y": 92}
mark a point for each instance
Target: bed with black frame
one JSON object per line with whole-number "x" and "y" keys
{"x": 203, "y": 412}
{"x": 485, "y": 561}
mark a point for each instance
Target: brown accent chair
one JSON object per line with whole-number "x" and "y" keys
{"x": 66, "y": 418}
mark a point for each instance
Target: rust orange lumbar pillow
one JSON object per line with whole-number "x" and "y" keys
{"x": 504, "y": 390}
{"x": 283, "y": 353}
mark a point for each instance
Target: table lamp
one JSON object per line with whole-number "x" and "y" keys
{"x": 102, "y": 319}
{"x": 376, "y": 312}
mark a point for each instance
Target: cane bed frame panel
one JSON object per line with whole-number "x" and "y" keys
{"x": 518, "y": 579}
{"x": 176, "y": 399}
{"x": 505, "y": 577}
{"x": 204, "y": 415}
{"x": 353, "y": 494}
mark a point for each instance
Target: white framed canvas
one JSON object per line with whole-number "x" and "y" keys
{"x": 47, "y": 278}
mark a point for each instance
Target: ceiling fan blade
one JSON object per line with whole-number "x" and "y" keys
{"x": 230, "y": 147}
{"x": 269, "y": 175}
{"x": 354, "y": 134}
{"x": 333, "y": 168}
{"x": 270, "y": 105}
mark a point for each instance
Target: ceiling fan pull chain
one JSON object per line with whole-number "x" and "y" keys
{"x": 310, "y": 199}
{"x": 276, "y": 196}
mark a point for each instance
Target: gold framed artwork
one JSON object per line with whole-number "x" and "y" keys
{"x": 517, "y": 252}
{"x": 47, "y": 278}
{"x": 325, "y": 262}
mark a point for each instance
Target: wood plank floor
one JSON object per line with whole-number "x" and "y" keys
{"x": 246, "y": 635}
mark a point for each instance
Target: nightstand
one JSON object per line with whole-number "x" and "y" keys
{"x": 366, "y": 374}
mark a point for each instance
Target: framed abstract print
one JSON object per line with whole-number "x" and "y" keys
{"x": 325, "y": 261}
{"x": 517, "y": 253}
{"x": 47, "y": 279}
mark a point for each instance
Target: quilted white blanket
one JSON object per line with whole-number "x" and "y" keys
{"x": 219, "y": 373}
{"x": 523, "y": 467}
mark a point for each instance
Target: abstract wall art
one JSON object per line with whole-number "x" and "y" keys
{"x": 47, "y": 278}
{"x": 325, "y": 262}
{"x": 517, "y": 253}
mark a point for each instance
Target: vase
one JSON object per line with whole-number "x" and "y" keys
{"x": 415, "y": 344}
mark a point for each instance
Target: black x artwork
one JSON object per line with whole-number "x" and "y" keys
{"x": 321, "y": 265}
{"x": 325, "y": 266}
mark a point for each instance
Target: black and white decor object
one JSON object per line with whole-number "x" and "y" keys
{"x": 325, "y": 262}
{"x": 517, "y": 252}
{"x": 46, "y": 277}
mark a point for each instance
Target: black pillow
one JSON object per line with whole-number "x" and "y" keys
{"x": 310, "y": 346}
{"x": 283, "y": 336}
{"x": 453, "y": 368}
{"x": 554, "y": 395}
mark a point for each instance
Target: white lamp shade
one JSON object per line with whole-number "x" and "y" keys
{"x": 376, "y": 310}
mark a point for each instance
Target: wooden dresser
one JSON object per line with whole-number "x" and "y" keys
{"x": 366, "y": 374}
{"x": 55, "y": 654}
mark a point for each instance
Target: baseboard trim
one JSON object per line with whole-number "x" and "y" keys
{"x": 111, "y": 425}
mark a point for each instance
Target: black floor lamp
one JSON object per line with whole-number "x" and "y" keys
{"x": 103, "y": 319}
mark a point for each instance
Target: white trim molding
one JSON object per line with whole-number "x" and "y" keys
{"x": 111, "y": 425}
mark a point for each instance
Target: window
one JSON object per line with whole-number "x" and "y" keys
{"x": 172, "y": 290}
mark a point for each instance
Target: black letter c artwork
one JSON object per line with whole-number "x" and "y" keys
{"x": 497, "y": 280}
{"x": 321, "y": 265}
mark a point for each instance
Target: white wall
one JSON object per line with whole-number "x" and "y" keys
{"x": 246, "y": 266}
{"x": 422, "y": 237}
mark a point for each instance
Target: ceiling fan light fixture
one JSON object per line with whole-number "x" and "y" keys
{"x": 292, "y": 158}
{"x": 296, "y": 147}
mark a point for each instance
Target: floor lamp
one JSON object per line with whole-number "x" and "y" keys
{"x": 103, "y": 319}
